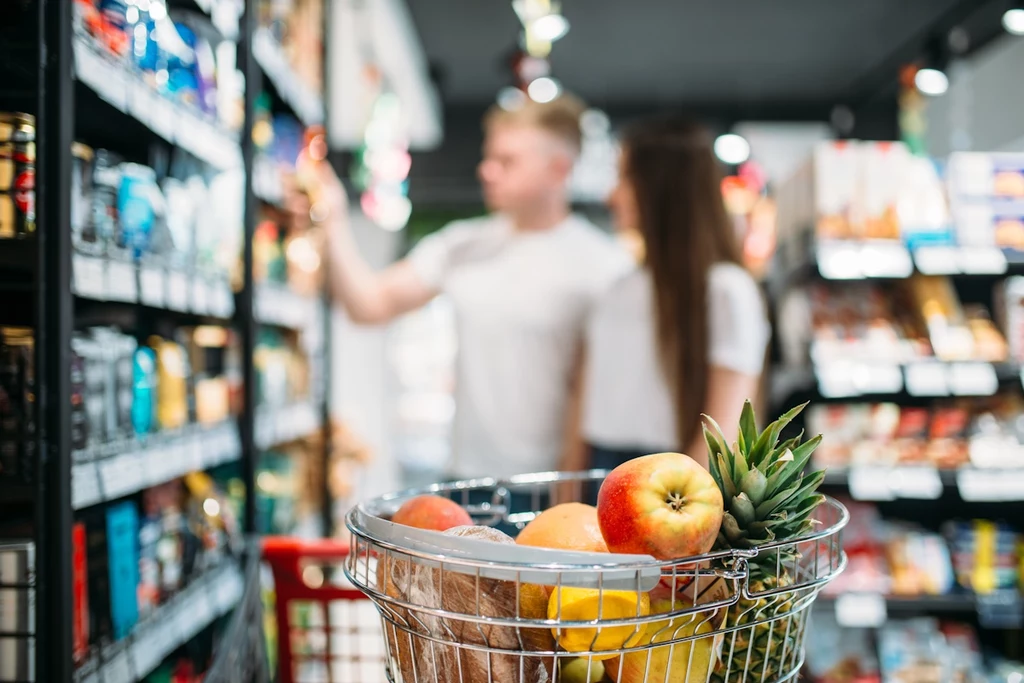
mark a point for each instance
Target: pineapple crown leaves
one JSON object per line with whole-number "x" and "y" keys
{"x": 767, "y": 495}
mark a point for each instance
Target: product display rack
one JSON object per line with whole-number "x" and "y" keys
{"x": 910, "y": 431}
{"x": 49, "y": 287}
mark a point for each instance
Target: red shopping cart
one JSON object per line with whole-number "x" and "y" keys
{"x": 327, "y": 631}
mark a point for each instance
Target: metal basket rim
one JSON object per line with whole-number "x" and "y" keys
{"x": 554, "y": 478}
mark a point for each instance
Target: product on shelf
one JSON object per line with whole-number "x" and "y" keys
{"x": 985, "y": 555}
{"x": 839, "y": 655}
{"x": 79, "y": 592}
{"x": 123, "y": 566}
{"x": 1010, "y": 314}
{"x": 17, "y": 174}
{"x": 17, "y": 567}
{"x": 122, "y": 390}
{"x": 949, "y": 434}
{"x": 297, "y": 25}
{"x": 927, "y": 650}
{"x": 17, "y": 403}
{"x": 172, "y": 51}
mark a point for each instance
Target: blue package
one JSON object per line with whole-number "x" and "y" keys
{"x": 182, "y": 71}
{"x": 143, "y": 388}
{"x": 135, "y": 206}
{"x": 123, "y": 565}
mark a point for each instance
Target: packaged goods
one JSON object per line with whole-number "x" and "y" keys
{"x": 106, "y": 184}
{"x": 17, "y": 175}
{"x": 79, "y": 592}
{"x": 123, "y": 566}
{"x": 83, "y": 230}
{"x": 79, "y": 413}
{"x": 143, "y": 390}
{"x": 17, "y": 407}
{"x": 17, "y": 605}
{"x": 136, "y": 207}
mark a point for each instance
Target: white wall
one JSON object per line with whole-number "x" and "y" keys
{"x": 982, "y": 110}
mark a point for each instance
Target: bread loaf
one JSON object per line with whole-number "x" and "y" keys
{"x": 419, "y": 659}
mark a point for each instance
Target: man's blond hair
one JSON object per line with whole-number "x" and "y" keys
{"x": 560, "y": 117}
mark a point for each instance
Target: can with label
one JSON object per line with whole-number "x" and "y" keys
{"x": 17, "y": 174}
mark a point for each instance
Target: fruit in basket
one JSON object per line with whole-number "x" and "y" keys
{"x": 423, "y": 645}
{"x": 768, "y": 499}
{"x": 665, "y": 505}
{"x": 690, "y": 660}
{"x": 581, "y": 670}
{"x": 432, "y": 512}
{"x": 569, "y": 526}
{"x": 588, "y": 604}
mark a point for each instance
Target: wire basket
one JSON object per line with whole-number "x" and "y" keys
{"x": 456, "y": 610}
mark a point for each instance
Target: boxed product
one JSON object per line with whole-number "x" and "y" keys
{"x": 17, "y": 403}
{"x": 17, "y": 610}
{"x": 123, "y": 567}
{"x": 986, "y": 174}
{"x": 1010, "y": 314}
{"x": 985, "y": 555}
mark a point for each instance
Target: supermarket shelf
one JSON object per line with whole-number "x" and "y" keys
{"x": 224, "y": 15}
{"x": 842, "y": 379}
{"x": 281, "y": 307}
{"x": 106, "y": 279}
{"x": 1001, "y": 609}
{"x": 178, "y": 621}
{"x": 99, "y": 477}
{"x": 281, "y": 425}
{"x": 307, "y": 104}
{"x": 242, "y": 656}
{"x": 175, "y": 123}
{"x": 973, "y": 484}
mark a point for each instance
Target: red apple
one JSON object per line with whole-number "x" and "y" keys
{"x": 665, "y": 505}
{"x": 432, "y": 512}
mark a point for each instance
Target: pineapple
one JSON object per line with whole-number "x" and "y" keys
{"x": 768, "y": 498}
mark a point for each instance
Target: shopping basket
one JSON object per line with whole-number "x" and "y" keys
{"x": 327, "y": 631}
{"x": 458, "y": 610}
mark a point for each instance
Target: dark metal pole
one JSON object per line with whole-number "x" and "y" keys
{"x": 327, "y": 511}
{"x": 55, "y": 131}
{"x": 245, "y": 310}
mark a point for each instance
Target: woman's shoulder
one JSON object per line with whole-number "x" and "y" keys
{"x": 733, "y": 281}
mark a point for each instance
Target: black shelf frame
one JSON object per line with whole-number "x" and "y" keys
{"x": 40, "y": 266}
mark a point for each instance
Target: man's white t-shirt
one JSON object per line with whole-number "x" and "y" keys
{"x": 521, "y": 301}
{"x": 628, "y": 403}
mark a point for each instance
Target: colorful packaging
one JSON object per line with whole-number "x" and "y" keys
{"x": 172, "y": 387}
{"x": 83, "y": 232}
{"x": 143, "y": 390}
{"x": 123, "y": 565}
{"x": 79, "y": 593}
{"x": 17, "y": 175}
{"x": 17, "y": 410}
{"x": 106, "y": 184}
{"x": 136, "y": 198}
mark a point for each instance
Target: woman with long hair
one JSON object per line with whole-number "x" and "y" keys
{"x": 685, "y": 332}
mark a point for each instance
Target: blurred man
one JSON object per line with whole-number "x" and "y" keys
{"x": 520, "y": 279}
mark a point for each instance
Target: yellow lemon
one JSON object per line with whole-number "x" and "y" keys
{"x": 587, "y": 604}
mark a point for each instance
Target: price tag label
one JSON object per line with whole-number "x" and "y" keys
{"x": 120, "y": 475}
{"x": 117, "y": 667}
{"x": 871, "y": 483}
{"x": 937, "y": 260}
{"x": 163, "y": 119}
{"x": 152, "y": 287}
{"x": 973, "y": 379}
{"x": 150, "y": 647}
{"x": 1000, "y": 609}
{"x": 169, "y": 618}
{"x": 886, "y": 259}
{"x": 861, "y": 610}
{"x": 918, "y": 483}
{"x": 927, "y": 379}
{"x": 228, "y": 589}
{"x": 121, "y": 282}
{"x": 112, "y": 85}
{"x": 89, "y": 277}
{"x": 200, "y": 296}
{"x": 186, "y": 618}
{"x": 202, "y": 611}
{"x": 85, "y": 486}
{"x": 177, "y": 291}
{"x": 982, "y": 261}
{"x": 88, "y": 671}
{"x": 981, "y": 485}
{"x": 140, "y": 101}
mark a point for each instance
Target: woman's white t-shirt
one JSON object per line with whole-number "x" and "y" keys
{"x": 628, "y": 403}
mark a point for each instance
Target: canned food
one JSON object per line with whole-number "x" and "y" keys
{"x": 17, "y": 174}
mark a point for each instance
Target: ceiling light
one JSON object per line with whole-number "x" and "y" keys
{"x": 931, "y": 81}
{"x": 511, "y": 98}
{"x": 732, "y": 149}
{"x": 1013, "y": 21}
{"x": 549, "y": 27}
{"x": 544, "y": 89}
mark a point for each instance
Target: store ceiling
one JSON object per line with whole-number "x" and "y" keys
{"x": 706, "y": 52}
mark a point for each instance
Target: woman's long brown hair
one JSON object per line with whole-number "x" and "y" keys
{"x": 677, "y": 182}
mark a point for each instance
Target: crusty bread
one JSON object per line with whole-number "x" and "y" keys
{"x": 419, "y": 659}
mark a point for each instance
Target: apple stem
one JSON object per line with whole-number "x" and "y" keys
{"x": 676, "y": 501}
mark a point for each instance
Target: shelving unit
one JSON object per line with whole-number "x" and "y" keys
{"x": 914, "y": 441}
{"x": 75, "y": 91}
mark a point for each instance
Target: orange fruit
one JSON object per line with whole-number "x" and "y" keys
{"x": 569, "y": 526}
